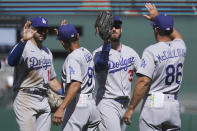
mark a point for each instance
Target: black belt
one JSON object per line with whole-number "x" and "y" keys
{"x": 124, "y": 100}
{"x": 41, "y": 92}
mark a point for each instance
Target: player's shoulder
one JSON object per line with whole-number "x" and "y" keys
{"x": 180, "y": 42}
{"x": 29, "y": 45}
{"x": 78, "y": 53}
{"x": 128, "y": 50}
{"x": 84, "y": 50}
{"x": 72, "y": 55}
{"x": 45, "y": 49}
{"x": 153, "y": 48}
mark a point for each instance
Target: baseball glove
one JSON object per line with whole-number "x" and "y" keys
{"x": 104, "y": 24}
{"x": 54, "y": 99}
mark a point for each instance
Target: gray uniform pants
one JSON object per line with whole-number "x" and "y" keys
{"x": 81, "y": 115}
{"x": 111, "y": 113}
{"x": 32, "y": 112}
{"x": 166, "y": 118}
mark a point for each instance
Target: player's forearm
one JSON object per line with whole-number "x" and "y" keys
{"x": 71, "y": 94}
{"x": 15, "y": 54}
{"x": 103, "y": 58}
{"x": 55, "y": 85}
{"x": 139, "y": 91}
{"x": 175, "y": 34}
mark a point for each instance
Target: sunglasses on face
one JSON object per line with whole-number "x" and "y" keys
{"x": 42, "y": 30}
{"x": 117, "y": 26}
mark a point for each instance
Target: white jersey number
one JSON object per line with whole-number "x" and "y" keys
{"x": 173, "y": 73}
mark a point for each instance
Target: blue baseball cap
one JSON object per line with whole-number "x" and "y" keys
{"x": 66, "y": 32}
{"x": 163, "y": 22}
{"x": 40, "y": 22}
{"x": 117, "y": 20}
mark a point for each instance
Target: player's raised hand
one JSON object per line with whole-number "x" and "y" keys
{"x": 27, "y": 32}
{"x": 153, "y": 12}
{"x": 64, "y": 22}
{"x": 127, "y": 116}
{"x": 58, "y": 116}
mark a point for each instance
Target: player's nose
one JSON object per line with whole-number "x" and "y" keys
{"x": 113, "y": 29}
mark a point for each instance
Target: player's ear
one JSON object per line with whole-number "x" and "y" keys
{"x": 77, "y": 35}
{"x": 97, "y": 31}
{"x": 155, "y": 29}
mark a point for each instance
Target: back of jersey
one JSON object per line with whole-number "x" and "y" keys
{"x": 87, "y": 65}
{"x": 163, "y": 63}
{"x": 78, "y": 66}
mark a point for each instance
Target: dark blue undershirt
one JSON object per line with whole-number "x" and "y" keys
{"x": 103, "y": 58}
{"x": 15, "y": 55}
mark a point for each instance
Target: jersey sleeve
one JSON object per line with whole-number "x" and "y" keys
{"x": 180, "y": 41}
{"x": 101, "y": 58}
{"x": 147, "y": 64}
{"x": 137, "y": 62}
{"x": 73, "y": 70}
{"x": 16, "y": 53}
{"x": 53, "y": 74}
{"x": 52, "y": 70}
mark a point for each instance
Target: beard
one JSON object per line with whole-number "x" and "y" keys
{"x": 115, "y": 37}
{"x": 39, "y": 38}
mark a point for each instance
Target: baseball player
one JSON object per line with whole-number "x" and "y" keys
{"x": 33, "y": 74}
{"x": 78, "y": 111}
{"x": 115, "y": 64}
{"x": 161, "y": 73}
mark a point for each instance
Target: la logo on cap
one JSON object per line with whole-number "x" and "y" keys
{"x": 167, "y": 28}
{"x": 72, "y": 35}
{"x": 44, "y": 21}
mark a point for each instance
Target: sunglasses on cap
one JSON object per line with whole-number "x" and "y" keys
{"x": 42, "y": 30}
{"x": 117, "y": 26}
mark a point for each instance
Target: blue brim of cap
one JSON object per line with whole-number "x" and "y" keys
{"x": 118, "y": 22}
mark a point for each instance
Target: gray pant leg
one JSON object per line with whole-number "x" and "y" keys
{"x": 165, "y": 118}
{"x": 43, "y": 121}
{"x": 78, "y": 118}
{"x": 111, "y": 113}
{"x": 94, "y": 118}
{"x": 32, "y": 112}
{"x": 24, "y": 115}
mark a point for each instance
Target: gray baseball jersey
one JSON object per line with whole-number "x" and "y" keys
{"x": 35, "y": 68}
{"x": 163, "y": 63}
{"x": 113, "y": 83}
{"x": 82, "y": 111}
{"x": 33, "y": 72}
{"x": 122, "y": 65}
